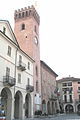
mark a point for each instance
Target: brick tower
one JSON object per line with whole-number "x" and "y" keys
{"x": 26, "y": 30}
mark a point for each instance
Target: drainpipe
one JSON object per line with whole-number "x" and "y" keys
{"x": 15, "y": 73}
{"x": 15, "y": 69}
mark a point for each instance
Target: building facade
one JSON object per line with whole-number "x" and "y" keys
{"x": 50, "y": 103}
{"x": 69, "y": 98}
{"x": 16, "y": 76}
{"x": 26, "y": 30}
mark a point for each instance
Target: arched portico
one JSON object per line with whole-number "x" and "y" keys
{"x": 48, "y": 108}
{"x": 43, "y": 106}
{"x": 53, "y": 108}
{"x": 18, "y": 105}
{"x": 69, "y": 108}
{"x": 78, "y": 107}
{"x": 6, "y": 102}
{"x": 28, "y": 105}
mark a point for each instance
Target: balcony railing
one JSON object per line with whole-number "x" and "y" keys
{"x": 29, "y": 88}
{"x": 8, "y": 80}
{"x": 21, "y": 66}
{"x": 68, "y": 101}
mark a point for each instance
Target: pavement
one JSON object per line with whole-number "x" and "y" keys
{"x": 57, "y": 117}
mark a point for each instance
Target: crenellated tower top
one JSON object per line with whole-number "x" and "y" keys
{"x": 27, "y": 12}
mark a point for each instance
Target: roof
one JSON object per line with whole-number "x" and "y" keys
{"x": 11, "y": 31}
{"x": 14, "y": 42}
{"x": 68, "y": 79}
{"x": 42, "y": 62}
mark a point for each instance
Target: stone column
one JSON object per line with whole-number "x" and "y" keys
{"x": 12, "y": 109}
{"x": 32, "y": 105}
{"x": 23, "y": 107}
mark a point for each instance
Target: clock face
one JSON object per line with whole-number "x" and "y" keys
{"x": 36, "y": 40}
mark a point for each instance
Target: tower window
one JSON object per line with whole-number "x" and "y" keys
{"x": 19, "y": 15}
{"x": 29, "y": 12}
{"x": 23, "y": 27}
{"x": 26, "y": 13}
{"x": 22, "y": 14}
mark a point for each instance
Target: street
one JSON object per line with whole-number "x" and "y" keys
{"x": 59, "y": 117}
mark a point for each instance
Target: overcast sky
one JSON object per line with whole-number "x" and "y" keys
{"x": 59, "y": 32}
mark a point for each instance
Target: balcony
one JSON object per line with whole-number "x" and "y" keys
{"x": 65, "y": 102}
{"x": 53, "y": 97}
{"x": 21, "y": 66}
{"x": 29, "y": 88}
{"x": 8, "y": 80}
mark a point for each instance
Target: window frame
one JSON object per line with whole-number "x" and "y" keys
{"x": 9, "y": 51}
{"x": 19, "y": 77}
{"x": 22, "y": 26}
{"x": 7, "y": 71}
{"x": 28, "y": 65}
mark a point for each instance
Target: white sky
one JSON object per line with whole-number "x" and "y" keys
{"x": 59, "y": 32}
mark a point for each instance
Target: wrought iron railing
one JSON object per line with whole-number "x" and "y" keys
{"x": 21, "y": 66}
{"x": 8, "y": 80}
{"x": 29, "y": 88}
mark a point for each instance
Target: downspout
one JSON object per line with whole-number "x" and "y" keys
{"x": 15, "y": 75}
{"x": 15, "y": 69}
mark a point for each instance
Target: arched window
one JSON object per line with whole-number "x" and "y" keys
{"x": 23, "y": 27}
{"x": 30, "y": 12}
{"x": 26, "y": 13}
{"x": 19, "y": 15}
{"x": 16, "y": 16}
{"x": 22, "y": 14}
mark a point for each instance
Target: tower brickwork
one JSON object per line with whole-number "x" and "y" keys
{"x": 26, "y": 30}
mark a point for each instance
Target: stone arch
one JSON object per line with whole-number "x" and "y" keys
{"x": 69, "y": 108}
{"x": 53, "y": 107}
{"x": 43, "y": 106}
{"x": 6, "y": 102}
{"x": 48, "y": 108}
{"x": 18, "y": 105}
{"x": 78, "y": 107}
{"x": 28, "y": 105}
